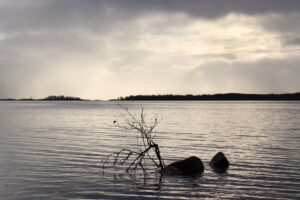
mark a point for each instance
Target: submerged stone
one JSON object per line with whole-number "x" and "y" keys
{"x": 219, "y": 163}
{"x": 188, "y": 166}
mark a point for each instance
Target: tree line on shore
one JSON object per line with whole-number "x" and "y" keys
{"x": 49, "y": 98}
{"x": 214, "y": 97}
{"x": 187, "y": 97}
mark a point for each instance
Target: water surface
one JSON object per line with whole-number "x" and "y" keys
{"x": 53, "y": 150}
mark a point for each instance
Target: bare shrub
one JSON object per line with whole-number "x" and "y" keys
{"x": 147, "y": 150}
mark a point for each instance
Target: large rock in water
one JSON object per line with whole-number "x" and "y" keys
{"x": 219, "y": 163}
{"x": 188, "y": 166}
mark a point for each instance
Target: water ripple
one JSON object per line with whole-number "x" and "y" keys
{"x": 55, "y": 150}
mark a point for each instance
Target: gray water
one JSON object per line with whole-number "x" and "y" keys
{"x": 54, "y": 150}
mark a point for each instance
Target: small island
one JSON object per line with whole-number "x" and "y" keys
{"x": 61, "y": 98}
{"x": 49, "y": 98}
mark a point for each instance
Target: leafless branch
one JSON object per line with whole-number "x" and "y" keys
{"x": 146, "y": 146}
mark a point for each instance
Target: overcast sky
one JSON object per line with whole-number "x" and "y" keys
{"x": 109, "y": 48}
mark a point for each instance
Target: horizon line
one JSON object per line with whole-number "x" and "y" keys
{"x": 70, "y": 98}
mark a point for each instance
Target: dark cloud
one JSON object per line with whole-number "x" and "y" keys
{"x": 102, "y": 14}
{"x": 295, "y": 41}
{"x": 291, "y": 40}
{"x": 210, "y": 8}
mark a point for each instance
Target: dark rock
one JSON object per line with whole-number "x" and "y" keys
{"x": 188, "y": 166}
{"x": 219, "y": 163}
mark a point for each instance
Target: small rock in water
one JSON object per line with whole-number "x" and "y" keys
{"x": 188, "y": 166}
{"x": 219, "y": 163}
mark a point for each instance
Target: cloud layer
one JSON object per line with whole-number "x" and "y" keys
{"x": 105, "y": 49}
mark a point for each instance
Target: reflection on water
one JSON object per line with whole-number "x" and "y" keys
{"x": 53, "y": 150}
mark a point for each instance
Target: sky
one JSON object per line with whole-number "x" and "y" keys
{"x": 103, "y": 49}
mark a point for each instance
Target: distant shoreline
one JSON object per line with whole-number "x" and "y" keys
{"x": 49, "y": 98}
{"x": 188, "y": 97}
{"x": 214, "y": 97}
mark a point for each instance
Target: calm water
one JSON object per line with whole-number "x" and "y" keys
{"x": 53, "y": 150}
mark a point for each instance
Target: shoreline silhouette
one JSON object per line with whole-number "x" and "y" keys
{"x": 214, "y": 97}
{"x": 49, "y": 98}
{"x": 187, "y": 97}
